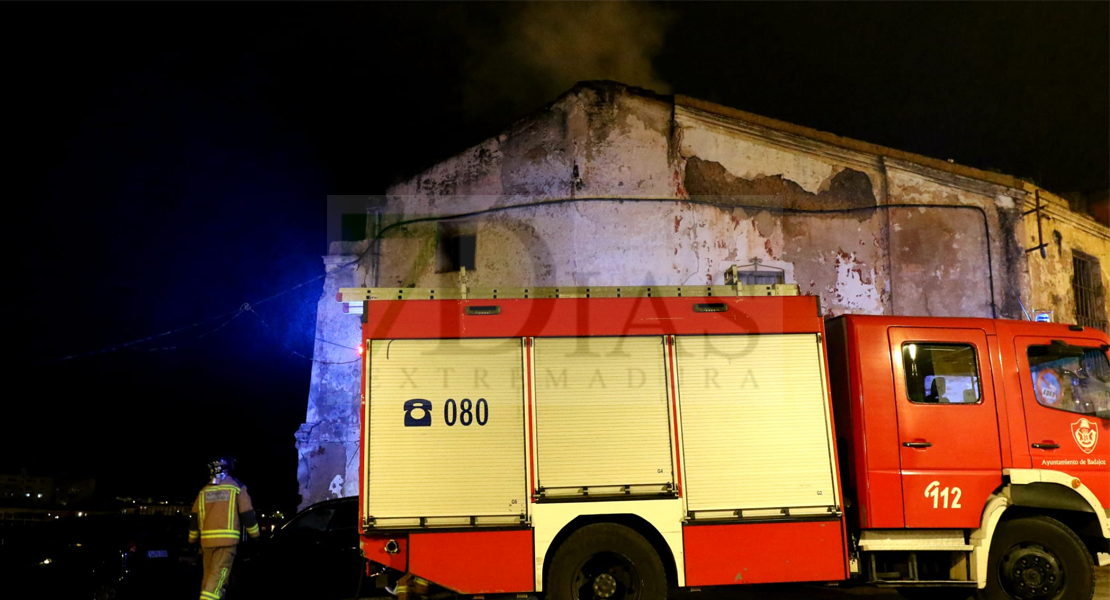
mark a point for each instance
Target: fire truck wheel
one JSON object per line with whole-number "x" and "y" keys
{"x": 606, "y": 561}
{"x": 1038, "y": 558}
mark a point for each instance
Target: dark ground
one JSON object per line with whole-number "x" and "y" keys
{"x": 821, "y": 592}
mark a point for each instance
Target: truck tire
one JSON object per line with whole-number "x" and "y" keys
{"x": 606, "y": 561}
{"x": 1038, "y": 558}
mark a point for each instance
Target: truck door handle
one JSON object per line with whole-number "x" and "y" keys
{"x": 917, "y": 444}
{"x": 1046, "y": 446}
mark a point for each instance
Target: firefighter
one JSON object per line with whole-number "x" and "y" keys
{"x": 221, "y": 512}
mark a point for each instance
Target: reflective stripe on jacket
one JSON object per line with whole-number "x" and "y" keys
{"x": 219, "y": 512}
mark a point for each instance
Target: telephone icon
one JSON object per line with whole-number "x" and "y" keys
{"x": 418, "y": 413}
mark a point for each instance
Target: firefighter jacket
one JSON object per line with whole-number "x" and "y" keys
{"x": 221, "y": 510}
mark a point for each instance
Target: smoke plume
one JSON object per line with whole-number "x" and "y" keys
{"x": 539, "y": 50}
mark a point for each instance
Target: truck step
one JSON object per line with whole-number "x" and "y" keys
{"x": 950, "y": 540}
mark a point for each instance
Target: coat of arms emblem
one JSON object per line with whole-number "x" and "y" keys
{"x": 1085, "y": 433}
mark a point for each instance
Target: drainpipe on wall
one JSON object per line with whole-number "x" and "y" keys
{"x": 884, "y": 199}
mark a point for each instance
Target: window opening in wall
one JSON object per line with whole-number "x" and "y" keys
{"x": 456, "y": 246}
{"x": 1090, "y": 296}
{"x": 352, "y": 227}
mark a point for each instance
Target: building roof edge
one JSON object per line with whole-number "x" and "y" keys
{"x": 853, "y": 144}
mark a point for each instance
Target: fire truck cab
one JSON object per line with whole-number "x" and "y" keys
{"x": 971, "y": 449}
{"x": 614, "y": 443}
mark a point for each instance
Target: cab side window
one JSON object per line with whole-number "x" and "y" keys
{"x": 1070, "y": 378}
{"x": 941, "y": 373}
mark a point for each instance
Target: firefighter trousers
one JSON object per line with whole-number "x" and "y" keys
{"x": 217, "y": 568}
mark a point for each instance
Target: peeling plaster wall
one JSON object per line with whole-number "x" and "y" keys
{"x": 591, "y": 143}
{"x": 327, "y": 442}
{"x": 597, "y": 243}
{"x": 1065, "y": 232}
{"x": 920, "y": 261}
{"x": 604, "y": 140}
{"x": 839, "y": 257}
{"x": 939, "y": 257}
{"x": 749, "y": 159}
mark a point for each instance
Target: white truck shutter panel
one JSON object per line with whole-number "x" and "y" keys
{"x": 755, "y": 423}
{"x": 602, "y": 414}
{"x": 463, "y": 458}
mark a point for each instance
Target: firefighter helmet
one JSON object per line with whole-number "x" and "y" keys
{"x": 223, "y": 465}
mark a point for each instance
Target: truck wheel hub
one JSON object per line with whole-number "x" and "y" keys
{"x": 604, "y": 586}
{"x": 1032, "y": 573}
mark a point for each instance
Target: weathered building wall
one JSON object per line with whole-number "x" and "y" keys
{"x": 649, "y": 190}
{"x": 327, "y": 443}
{"x": 819, "y": 222}
{"x": 598, "y": 143}
{"x": 1065, "y": 232}
{"x": 609, "y": 142}
{"x": 941, "y": 261}
{"x": 843, "y": 239}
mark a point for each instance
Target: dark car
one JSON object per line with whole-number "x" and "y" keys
{"x": 314, "y": 555}
{"x": 100, "y": 556}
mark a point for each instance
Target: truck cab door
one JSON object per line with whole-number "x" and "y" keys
{"x": 949, "y": 448}
{"x": 1064, "y": 386}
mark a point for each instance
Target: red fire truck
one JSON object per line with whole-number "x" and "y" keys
{"x": 616, "y": 443}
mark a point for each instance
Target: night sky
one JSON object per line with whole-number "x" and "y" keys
{"x": 173, "y": 161}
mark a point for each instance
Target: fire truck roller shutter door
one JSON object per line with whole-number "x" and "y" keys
{"x": 755, "y": 423}
{"x": 446, "y": 429}
{"x": 602, "y": 415}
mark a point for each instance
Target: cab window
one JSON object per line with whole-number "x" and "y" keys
{"x": 941, "y": 373}
{"x": 1070, "y": 378}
